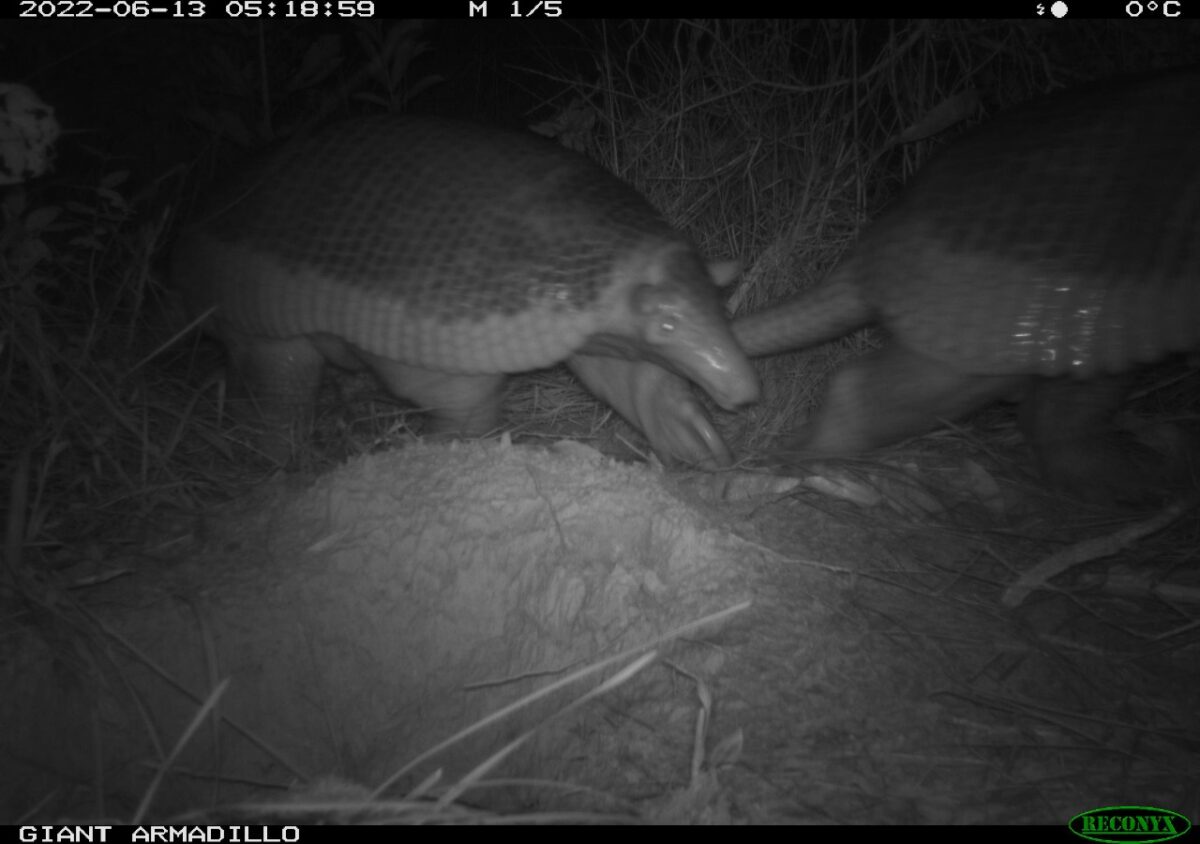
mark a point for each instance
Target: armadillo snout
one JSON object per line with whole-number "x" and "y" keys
{"x": 685, "y": 330}
{"x": 724, "y": 372}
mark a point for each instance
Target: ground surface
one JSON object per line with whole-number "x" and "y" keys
{"x": 877, "y": 676}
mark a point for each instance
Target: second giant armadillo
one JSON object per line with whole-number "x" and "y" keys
{"x": 1048, "y": 254}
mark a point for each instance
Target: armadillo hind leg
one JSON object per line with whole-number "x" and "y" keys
{"x": 275, "y": 383}
{"x": 1080, "y": 451}
{"x": 458, "y": 405}
{"x": 891, "y": 395}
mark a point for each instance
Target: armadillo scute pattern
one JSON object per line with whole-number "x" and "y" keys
{"x": 441, "y": 244}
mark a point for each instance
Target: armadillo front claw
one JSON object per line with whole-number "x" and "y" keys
{"x": 660, "y": 404}
{"x": 680, "y": 431}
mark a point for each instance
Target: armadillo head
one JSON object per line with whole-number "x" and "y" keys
{"x": 670, "y": 314}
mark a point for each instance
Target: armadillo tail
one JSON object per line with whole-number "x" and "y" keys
{"x": 826, "y": 312}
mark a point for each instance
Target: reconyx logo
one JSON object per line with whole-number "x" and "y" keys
{"x": 1129, "y": 824}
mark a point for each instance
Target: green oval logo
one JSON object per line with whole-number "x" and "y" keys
{"x": 1124, "y": 824}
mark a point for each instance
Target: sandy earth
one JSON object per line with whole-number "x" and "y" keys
{"x": 362, "y": 619}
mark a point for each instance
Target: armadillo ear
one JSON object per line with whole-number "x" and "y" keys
{"x": 724, "y": 272}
